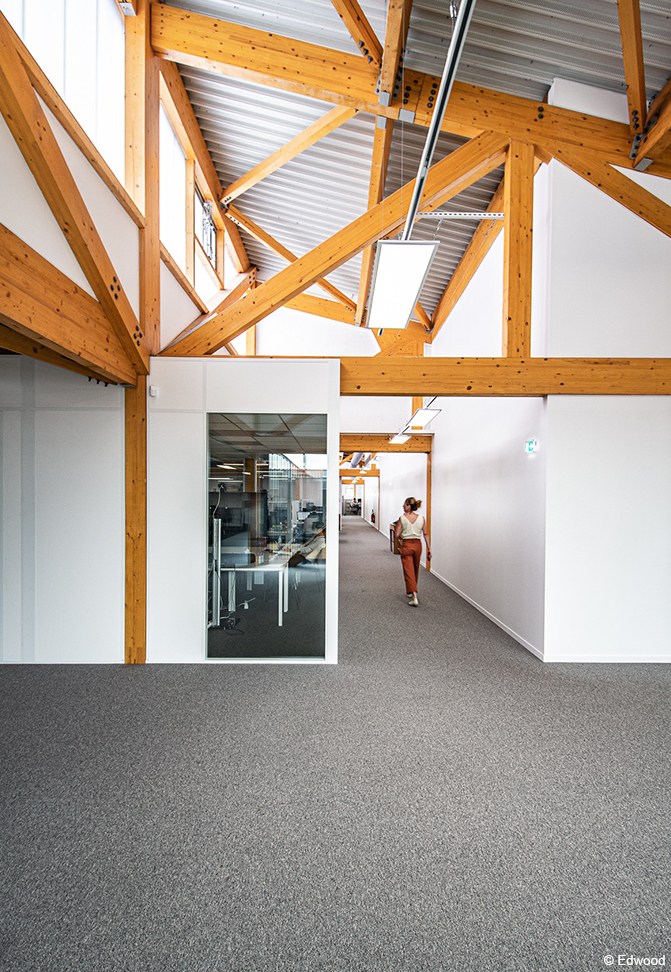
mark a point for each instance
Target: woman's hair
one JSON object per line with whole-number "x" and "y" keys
{"x": 413, "y": 503}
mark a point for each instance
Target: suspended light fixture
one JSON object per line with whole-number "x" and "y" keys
{"x": 401, "y": 266}
{"x": 422, "y": 417}
{"x": 398, "y": 277}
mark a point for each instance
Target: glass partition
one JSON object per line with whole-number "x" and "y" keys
{"x": 266, "y": 535}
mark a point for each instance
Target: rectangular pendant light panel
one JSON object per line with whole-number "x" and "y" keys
{"x": 401, "y": 267}
{"x": 422, "y": 417}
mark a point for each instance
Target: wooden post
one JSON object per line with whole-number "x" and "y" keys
{"x": 142, "y": 163}
{"x": 517, "y": 248}
{"x": 136, "y": 523}
{"x": 190, "y": 203}
{"x": 250, "y": 341}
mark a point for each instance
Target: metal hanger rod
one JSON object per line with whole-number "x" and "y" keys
{"x": 447, "y": 80}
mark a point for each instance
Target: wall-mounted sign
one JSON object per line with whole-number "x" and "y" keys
{"x": 531, "y": 446}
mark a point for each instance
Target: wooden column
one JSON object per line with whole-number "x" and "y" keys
{"x": 190, "y": 203}
{"x": 136, "y": 523}
{"x": 142, "y": 163}
{"x": 518, "y": 207}
{"x": 250, "y": 341}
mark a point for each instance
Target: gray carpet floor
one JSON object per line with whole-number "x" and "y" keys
{"x": 440, "y": 800}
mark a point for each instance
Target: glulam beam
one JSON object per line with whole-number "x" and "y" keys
{"x": 657, "y": 138}
{"x": 313, "y": 133}
{"x": 142, "y": 162}
{"x": 629, "y": 13}
{"x": 332, "y": 76}
{"x": 504, "y": 377}
{"x": 518, "y": 195}
{"x": 361, "y": 31}
{"x": 135, "y": 434}
{"x": 396, "y": 32}
{"x": 382, "y": 139}
{"x": 30, "y": 128}
{"x": 618, "y": 186}
{"x": 183, "y": 119}
{"x": 446, "y": 178}
{"x": 46, "y": 308}
{"x": 260, "y": 234}
{"x": 369, "y": 442}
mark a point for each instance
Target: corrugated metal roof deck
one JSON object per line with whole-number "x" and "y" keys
{"x": 516, "y": 47}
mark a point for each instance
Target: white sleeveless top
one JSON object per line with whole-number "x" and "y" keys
{"x": 411, "y": 531}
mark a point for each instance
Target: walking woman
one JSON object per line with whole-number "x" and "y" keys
{"x": 411, "y": 526}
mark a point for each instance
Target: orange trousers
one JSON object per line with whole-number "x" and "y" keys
{"x": 411, "y": 551}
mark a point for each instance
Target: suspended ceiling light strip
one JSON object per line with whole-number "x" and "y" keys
{"x": 452, "y": 62}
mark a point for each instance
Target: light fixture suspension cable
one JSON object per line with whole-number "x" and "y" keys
{"x": 451, "y": 64}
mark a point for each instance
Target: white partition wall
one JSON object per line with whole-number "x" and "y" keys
{"x": 186, "y": 391}
{"x": 62, "y": 528}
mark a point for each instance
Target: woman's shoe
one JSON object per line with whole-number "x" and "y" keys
{"x": 413, "y": 602}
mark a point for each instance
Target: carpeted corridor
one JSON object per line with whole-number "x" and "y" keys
{"x": 440, "y": 800}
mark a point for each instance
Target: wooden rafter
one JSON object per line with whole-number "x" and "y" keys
{"x": 504, "y": 377}
{"x": 189, "y": 206}
{"x": 619, "y": 187}
{"x": 323, "y": 126}
{"x": 446, "y": 178}
{"x": 629, "y": 12}
{"x": 260, "y": 234}
{"x": 518, "y": 195}
{"x": 28, "y": 124}
{"x": 334, "y": 77}
{"x": 657, "y": 138}
{"x": 402, "y": 342}
{"x": 142, "y": 163}
{"x": 369, "y": 442}
{"x": 45, "y": 307}
{"x": 185, "y": 123}
{"x": 398, "y": 19}
{"x": 382, "y": 140}
{"x": 370, "y": 473}
{"x": 321, "y": 307}
{"x": 247, "y": 282}
{"x": 14, "y": 341}
{"x": 361, "y": 31}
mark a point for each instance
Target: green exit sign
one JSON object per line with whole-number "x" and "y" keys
{"x": 531, "y": 445}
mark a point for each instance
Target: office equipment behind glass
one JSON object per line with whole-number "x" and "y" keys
{"x": 266, "y": 535}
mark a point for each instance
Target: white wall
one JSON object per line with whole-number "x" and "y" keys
{"x": 488, "y": 506}
{"x": 608, "y": 567}
{"x": 608, "y": 529}
{"x": 25, "y": 212}
{"x": 567, "y": 550}
{"x": 488, "y": 509}
{"x": 371, "y": 499}
{"x": 288, "y": 331}
{"x": 177, "y": 308}
{"x": 402, "y": 474}
{"x": 62, "y": 484}
{"x": 370, "y": 413}
{"x": 187, "y": 389}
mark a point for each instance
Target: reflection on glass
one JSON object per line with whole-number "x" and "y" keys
{"x": 266, "y": 535}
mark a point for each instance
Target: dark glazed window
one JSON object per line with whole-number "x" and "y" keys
{"x": 266, "y": 535}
